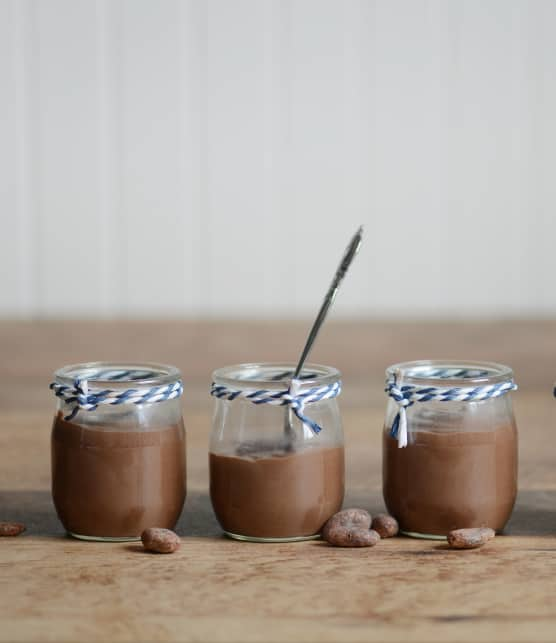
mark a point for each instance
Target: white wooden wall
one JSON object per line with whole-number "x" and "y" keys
{"x": 163, "y": 157}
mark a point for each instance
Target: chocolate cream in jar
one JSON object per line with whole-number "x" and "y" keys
{"x": 453, "y": 462}
{"x": 118, "y": 449}
{"x": 267, "y": 484}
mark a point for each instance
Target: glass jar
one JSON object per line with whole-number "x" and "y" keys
{"x": 118, "y": 449}
{"x": 276, "y": 451}
{"x": 459, "y": 465}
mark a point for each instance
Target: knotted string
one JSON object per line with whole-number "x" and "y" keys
{"x": 78, "y": 396}
{"x": 406, "y": 395}
{"x": 292, "y": 397}
{"x": 398, "y": 393}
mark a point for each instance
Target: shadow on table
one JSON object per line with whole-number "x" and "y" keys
{"x": 534, "y": 514}
{"x": 363, "y": 499}
{"x": 36, "y": 510}
{"x": 197, "y": 517}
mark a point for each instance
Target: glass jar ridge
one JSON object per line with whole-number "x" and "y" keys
{"x": 453, "y": 373}
{"x": 456, "y": 466}
{"x": 118, "y": 449}
{"x": 273, "y": 476}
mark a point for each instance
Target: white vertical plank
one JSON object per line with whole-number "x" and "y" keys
{"x": 323, "y": 218}
{"x": 159, "y": 233}
{"x": 446, "y": 110}
{"x": 540, "y": 214}
{"x": 25, "y": 158}
{"x": 493, "y": 106}
{"x": 281, "y": 272}
{"x": 405, "y": 170}
{"x": 111, "y": 273}
{"x": 66, "y": 157}
{"x": 192, "y": 159}
{"x": 358, "y": 171}
{"x": 247, "y": 270}
{"x": 9, "y": 300}
{"x": 17, "y": 239}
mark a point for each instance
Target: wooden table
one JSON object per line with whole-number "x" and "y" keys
{"x": 214, "y": 589}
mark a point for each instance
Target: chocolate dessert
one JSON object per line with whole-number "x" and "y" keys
{"x": 445, "y": 480}
{"x": 110, "y": 483}
{"x": 277, "y": 493}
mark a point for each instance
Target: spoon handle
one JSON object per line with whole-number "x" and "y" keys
{"x": 347, "y": 258}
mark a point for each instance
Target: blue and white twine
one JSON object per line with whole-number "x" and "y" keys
{"x": 292, "y": 397}
{"x": 407, "y": 394}
{"x": 79, "y": 398}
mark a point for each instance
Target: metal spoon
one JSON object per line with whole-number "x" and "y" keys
{"x": 349, "y": 254}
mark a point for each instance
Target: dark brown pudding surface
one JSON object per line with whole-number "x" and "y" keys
{"x": 277, "y": 494}
{"x": 115, "y": 484}
{"x": 451, "y": 480}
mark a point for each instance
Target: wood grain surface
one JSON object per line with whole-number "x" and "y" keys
{"x": 53, "y": 588}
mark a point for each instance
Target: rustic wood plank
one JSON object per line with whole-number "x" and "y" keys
{"x": 214, "y": 589}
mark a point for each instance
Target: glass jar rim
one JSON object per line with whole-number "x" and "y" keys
{"x": 147, "y": 374}
{"x": 264, "y": 375}
{"x": 477, "y": 372}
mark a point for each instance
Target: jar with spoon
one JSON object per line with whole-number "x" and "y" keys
{"x": 266, "y": 484}
{"x": 276, "y": 454}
